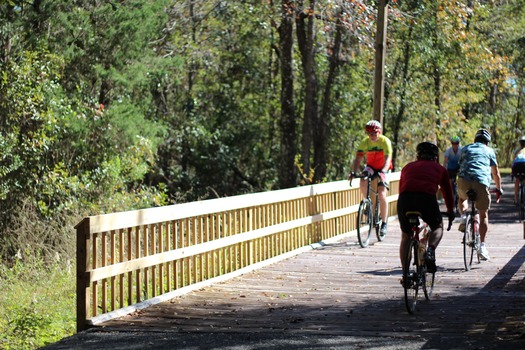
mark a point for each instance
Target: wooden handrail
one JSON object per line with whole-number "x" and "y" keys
{"x": 129, "y": 260}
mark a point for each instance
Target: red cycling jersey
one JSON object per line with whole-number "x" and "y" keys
{"x": 426, "y": 176}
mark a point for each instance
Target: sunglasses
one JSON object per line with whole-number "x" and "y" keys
{"x": 455, "y": 143}
{"x": 372, "y": 133}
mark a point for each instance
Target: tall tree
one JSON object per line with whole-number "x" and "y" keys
{"x": 287, "y": 170}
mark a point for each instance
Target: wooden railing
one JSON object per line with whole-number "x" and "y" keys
{"x": 130, "y": 260}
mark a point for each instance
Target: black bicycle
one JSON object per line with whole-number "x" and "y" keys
{"x": 368, "y": 213}
{"x": 521, "y": 196}
{"x": 415, "y": 273}
{"x": 471, "y": 237}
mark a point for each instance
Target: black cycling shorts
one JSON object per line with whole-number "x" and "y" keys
{"x": 424, "y": 203}
{"x": 518, "y": 168}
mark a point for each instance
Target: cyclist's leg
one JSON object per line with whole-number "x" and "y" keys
{"x": 363, "y": 187}
{"x": 383, "y": 204}
{"x": 432, "y": 216}
{"x": 483, "y": 224}
{"x": 483, "y": 205}
{"x": 463, "y": 187}
{"x": 403, "y": 246}
{"x": 404, "y": 203}
{"x": 516, "y": 187}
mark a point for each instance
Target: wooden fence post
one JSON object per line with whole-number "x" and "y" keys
{"x": 82, "y": 279}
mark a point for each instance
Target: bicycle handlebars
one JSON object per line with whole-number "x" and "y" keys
{"x": 363, "y": 175}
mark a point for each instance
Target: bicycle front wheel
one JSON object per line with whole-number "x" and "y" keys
{"x": 411, "y": 277}
{"x": 378, "y": 223}
{"x": 468, "y": 243}
{"x": 364, "y": 222}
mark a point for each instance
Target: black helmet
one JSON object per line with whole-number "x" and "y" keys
{"x": 482, "y": 136}
{"x": 427, "y": 150}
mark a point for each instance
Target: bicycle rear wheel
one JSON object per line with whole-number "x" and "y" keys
{"x": 411, "y": 277}
{"x": 468, "y": 243}
{"x": 428, "y": 283}
{"x": 364, "y": 222}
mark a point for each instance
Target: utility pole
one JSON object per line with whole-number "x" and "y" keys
{"x": 380, "y": 55}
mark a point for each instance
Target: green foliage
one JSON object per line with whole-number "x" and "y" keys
{"x": 111, "y": 106}
{"x": 37, "y": 303}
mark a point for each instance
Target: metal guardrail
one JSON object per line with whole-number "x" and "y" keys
{"x": 130, "y": 260}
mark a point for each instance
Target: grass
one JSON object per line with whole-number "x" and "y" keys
{"x": 37, "y": 304}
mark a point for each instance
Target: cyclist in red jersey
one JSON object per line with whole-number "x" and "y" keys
{"x": 419, "y": 183}
{"x": 377, "y": 149}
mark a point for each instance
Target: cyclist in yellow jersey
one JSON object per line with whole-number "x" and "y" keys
{"x": 376, "y": 149}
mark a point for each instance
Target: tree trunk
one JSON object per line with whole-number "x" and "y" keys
{"x": 322, "y": 126}
{"x": 306, "y": 40}
{"x": 287, "y": 171}
{"x": 400, "y": 113}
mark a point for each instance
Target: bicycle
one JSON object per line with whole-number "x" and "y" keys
{"x": 521, "y": 196}
{"x": 368, "y": 214}
{"x": 471, "y": 237}
{"x": 415, "y": 273}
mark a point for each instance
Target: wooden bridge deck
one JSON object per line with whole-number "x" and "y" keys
{"x": 342, "y": 289}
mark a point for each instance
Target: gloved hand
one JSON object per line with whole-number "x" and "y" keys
{"x": 451, "y": 216}
{"x": 382, "y": 175}
{"x": 499, "y": 192}
{"x": 351, "y": 176}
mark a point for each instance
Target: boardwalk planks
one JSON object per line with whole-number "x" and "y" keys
{"x": 341, "y": 289}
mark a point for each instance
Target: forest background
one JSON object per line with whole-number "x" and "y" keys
{"x": 116, "y": 105}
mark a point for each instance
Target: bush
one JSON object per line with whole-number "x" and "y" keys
{"x": 37, "y": 303}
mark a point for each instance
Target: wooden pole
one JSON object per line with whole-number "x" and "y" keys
{"x": 83, "y": 302}
{"x": 380, "y": 55}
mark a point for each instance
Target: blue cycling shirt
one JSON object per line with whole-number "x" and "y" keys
{"x": 453, "y": 158}
{"x": 475, "y": 162}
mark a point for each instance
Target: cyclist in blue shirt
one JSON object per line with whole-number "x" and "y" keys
{"x": 478, "y": 167}
{"x": 451, "y": 163}
{"x": 451, "y": 158}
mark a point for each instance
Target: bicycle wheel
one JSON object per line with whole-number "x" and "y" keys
{"x": 364, "y": 222}
{"x": 411, "y": 277}
{"x": 377, "y": 223}
{"x": 468, "y": 243}
{"x": 428, "y": 283}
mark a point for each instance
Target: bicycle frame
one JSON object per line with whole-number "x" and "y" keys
{"x": 368, "y": 213}
{"x": 375, "y": 202}
{"x": 414, "y": 269}
{"x": 415, "y": 274}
